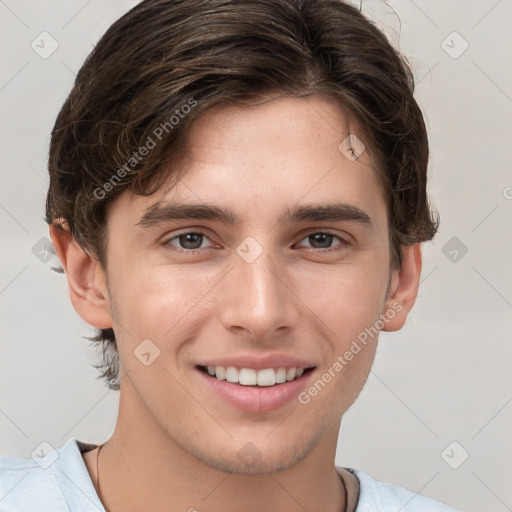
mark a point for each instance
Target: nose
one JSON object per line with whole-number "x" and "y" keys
{"x": 258, "y": 299}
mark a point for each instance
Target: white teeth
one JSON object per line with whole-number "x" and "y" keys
{"x": 247, "y": 377}
{"x": 280, "y": 375}
{"x": 267, "y": 377}
{"x": 220, "y": 372}
{"x": 231, "y": 374}
{"x": 250, "y": 377}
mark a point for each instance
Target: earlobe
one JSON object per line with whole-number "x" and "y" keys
{"x": 86, "y": 278}
{"x": 403, "y": 289}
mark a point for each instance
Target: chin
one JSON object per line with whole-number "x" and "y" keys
{"x": 249, "y": 459}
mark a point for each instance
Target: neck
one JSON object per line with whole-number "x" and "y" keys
{"x": 142, "y": 469}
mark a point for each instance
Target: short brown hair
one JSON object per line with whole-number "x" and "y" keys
{"x": 166, "y": 62}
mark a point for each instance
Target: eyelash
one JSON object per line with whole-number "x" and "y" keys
{"x": 343, "y": 243}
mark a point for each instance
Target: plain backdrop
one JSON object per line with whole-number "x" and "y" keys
{"x": 435, "y": 415}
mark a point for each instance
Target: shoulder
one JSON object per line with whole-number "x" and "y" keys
{"x": 57, "y": 481}
{"x": 25, "y": 485}
{"x": 375, "y": 496}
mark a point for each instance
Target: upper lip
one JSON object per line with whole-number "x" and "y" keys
{"x": 260, "y": 362}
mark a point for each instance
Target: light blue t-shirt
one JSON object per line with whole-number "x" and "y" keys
{"x": 60, "y": 482}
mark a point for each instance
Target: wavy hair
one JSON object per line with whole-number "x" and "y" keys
{"x": 164, "y": 54}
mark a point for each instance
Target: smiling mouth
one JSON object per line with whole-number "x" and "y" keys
{"x": 256, "y": 378}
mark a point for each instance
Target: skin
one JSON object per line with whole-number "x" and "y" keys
{"x": 175, "y": 443}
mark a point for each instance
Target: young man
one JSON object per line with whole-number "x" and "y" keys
{"x": 238, "y": 199}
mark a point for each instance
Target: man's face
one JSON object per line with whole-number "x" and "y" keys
{"x": 261, "y": 293}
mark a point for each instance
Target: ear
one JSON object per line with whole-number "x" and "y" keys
{"x": 86, "y": 278}
{"x": 403, "y": 289}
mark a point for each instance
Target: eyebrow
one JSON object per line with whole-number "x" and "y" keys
{"x": 168, "y": 211}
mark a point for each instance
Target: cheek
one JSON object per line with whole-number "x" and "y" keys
{"x": 168, "y": 303}
{"x": 158, "y": 302}
{"x": 346, "y": 299}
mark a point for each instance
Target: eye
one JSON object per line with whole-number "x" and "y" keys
{"x": 324, "y": 239}
{"x": 191, "y": 241}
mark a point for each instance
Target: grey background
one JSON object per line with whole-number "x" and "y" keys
{"x": 444, "y": 378}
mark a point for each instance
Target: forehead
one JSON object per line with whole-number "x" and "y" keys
{"x": 278, "y": 124}
{"x": 269, "y": 156}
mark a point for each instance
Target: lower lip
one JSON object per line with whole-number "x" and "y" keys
{"x": 257, "y": 399}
